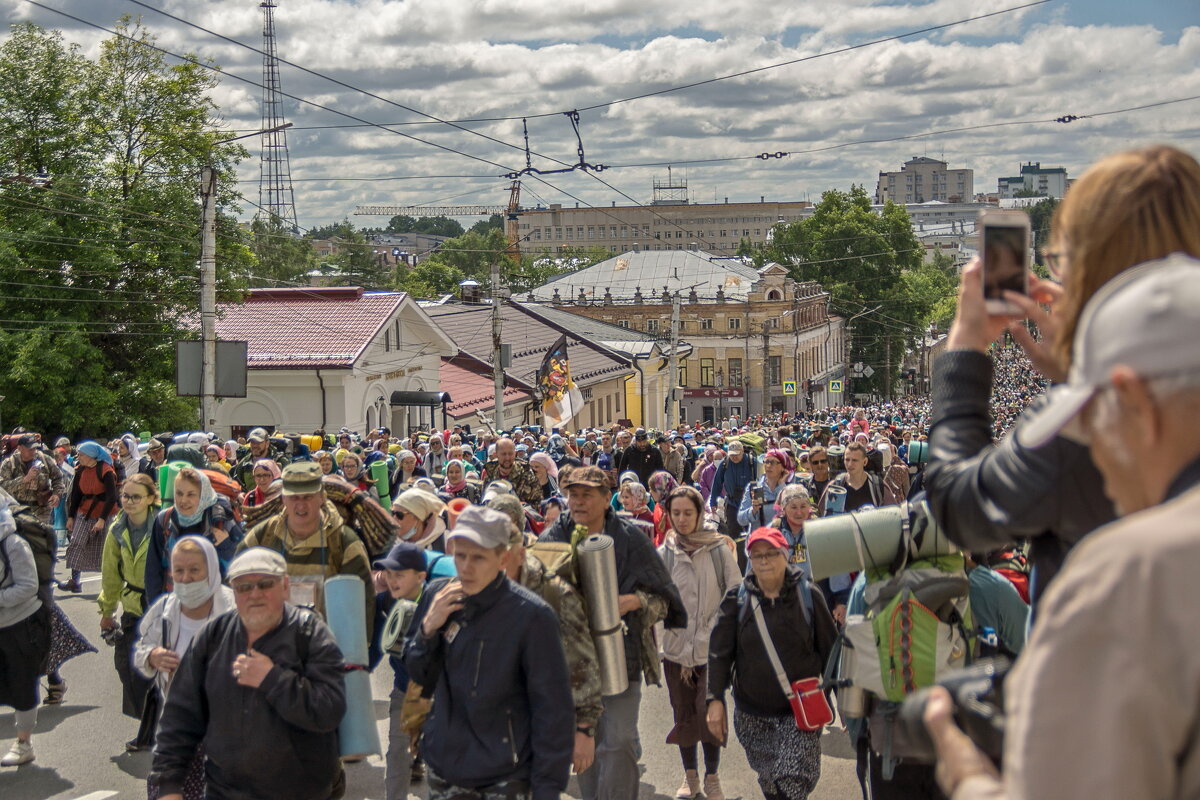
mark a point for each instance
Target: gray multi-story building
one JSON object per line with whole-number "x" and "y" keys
{"x": 922, "y": 179}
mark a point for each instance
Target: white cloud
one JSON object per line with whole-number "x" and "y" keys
{"x": 485, "y": 58}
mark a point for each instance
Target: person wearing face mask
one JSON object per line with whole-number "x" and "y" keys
{"x": 122, "y": 573}
{"x": 167, "y": 629}
{"x": 196, "y": 512}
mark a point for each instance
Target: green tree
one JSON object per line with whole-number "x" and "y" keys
{"x": 867, "y": 261}
{"x": 100, "y": 253}
{"x": 430, "y": 279}
{"x": 493, "y": 223}
{"x": 1040, "y": 216}
{"x": 438, "y": 226}
{"x": 282, "y": 258}
{"x": 473, "y": 253}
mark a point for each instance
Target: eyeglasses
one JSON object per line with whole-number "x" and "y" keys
{"x": 261, "y": 474}
{"x": 262, "y": 584}
{"x": 129, "y": 498}
{"x": 816, "y": 463}
{"x": 772, "y": 461}
{"x": 766, "y": 558}
{"x": 1056, "y": 261}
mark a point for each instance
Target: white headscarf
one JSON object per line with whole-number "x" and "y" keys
{"x": 210, "y": 560}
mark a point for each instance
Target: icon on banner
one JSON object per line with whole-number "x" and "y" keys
{"x": 789, "y": 387}
{"x": 835, "y": 386}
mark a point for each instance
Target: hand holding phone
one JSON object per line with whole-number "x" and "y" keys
{"x": 1004, "y": 240}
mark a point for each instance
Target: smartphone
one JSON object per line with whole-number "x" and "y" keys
{"x": 1004, "y": 237}
{"x": 757, "y": 493}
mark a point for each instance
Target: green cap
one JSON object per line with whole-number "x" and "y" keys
{"x": 303, "y": 477}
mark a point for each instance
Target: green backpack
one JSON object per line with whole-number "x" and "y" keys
{"x": 917, "y": 625}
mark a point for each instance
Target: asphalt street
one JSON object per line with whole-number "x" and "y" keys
{"x": 80, "y": 744}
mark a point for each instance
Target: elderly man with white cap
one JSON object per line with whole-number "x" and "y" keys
{"x": 262, "y": 689}
{"x": 503, "y": 721}
{"x": 1105, "y": 699}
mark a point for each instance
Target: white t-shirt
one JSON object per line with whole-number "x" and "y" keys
{"x": 188, "y": 628}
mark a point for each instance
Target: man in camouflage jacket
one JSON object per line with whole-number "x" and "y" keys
{"x": 40, "y": 488}
{"x": 506, "y": 467}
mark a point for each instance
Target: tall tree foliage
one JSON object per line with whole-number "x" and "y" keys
{"x": 99, "y": 229}
{"x": 866, "y": 260}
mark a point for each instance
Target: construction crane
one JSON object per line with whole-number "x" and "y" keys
{"x": 511, "y": 212}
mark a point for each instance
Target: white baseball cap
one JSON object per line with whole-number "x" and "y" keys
{"x": 1147, "y": 317}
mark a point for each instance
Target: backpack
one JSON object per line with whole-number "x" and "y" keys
{"x": 42, "y": 541}
{"x": 718, "y": 561}
{"x": 224, "y": 485}
{"x": 335, "y": 544}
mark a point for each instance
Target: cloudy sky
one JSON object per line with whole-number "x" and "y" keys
{"x": 487, "y": 59}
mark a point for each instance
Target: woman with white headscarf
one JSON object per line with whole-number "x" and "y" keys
{"x": 167, "y": 629}
{"x": 92, "y": 502}
{"x": 128, "y": 456}
{"x": 196, "y": 511}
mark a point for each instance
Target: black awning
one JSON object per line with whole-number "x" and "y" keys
{"x": 420, "y": 398}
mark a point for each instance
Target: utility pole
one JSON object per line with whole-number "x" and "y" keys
{"x": 497, "y": 349}
{"x": 848, "y": 341}
{"x": 672, "y": 407}
{"x": 208, "y": 297}
{"x": 887, "y": 375}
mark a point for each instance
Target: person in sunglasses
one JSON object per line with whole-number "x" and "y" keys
{"x": 261, "y": 686}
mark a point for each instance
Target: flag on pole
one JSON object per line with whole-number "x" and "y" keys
{"x": 561, "y": 398}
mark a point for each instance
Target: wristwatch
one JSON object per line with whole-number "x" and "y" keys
{"x": 586, "y": 731}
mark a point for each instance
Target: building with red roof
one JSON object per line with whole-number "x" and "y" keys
{"x": 328, "y": 357}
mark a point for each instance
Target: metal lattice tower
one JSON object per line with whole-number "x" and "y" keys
{"x": 275, "y": 195}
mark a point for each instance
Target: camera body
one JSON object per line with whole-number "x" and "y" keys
{"x": 978, "y": 695}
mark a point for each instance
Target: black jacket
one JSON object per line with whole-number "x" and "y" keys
{"x": 279, "y": 740}
{"x": 736, "y": 656}
{"x": 638, "y": 568}
{"x": 502, "y": 706}
{"x": 643, "y": 462}
{"x": 987, "y": 496}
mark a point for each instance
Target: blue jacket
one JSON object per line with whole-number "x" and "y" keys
{"x": 502, "y": 704}
{"x": 731, "y": 479}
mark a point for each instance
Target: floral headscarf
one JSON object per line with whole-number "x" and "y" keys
{"x": 546, "y": 461}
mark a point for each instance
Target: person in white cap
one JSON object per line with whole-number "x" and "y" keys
{"x": 503, "y": 724}
{"x": 1105, "y": 699}
{"x": 262, "y": 688}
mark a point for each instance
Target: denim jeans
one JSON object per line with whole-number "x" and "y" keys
{"x": 614, "y": 775}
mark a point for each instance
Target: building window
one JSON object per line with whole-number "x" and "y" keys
{"x": 651, "y": 326}
{"x": 706, "y": 372}
{"x": 579, "y": 232}
{"x": 774, "y": 367}
{"x": 683, "y": 373}
{"x": 591, "y": 231}
{"x": 612, "y": 231}
{"x": 622, "y": 323}
{"x": 734, "y": 367}
{"x": 735, "y": 323}
{"x": 387, "y": 341}
{"x": 570, "y": 233}
{"x": 558, "y": 233}
{"x": 624, "y": 232}
{"x": 537, "y": 234}
{"x": 706, "y": 324}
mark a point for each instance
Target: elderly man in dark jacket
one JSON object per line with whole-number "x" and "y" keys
{"x": 646, "y": 595}
{"x": 262, "y": 689}
{"x": 503, "y": 719}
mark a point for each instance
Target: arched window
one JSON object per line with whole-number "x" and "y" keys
{"x": 774, "y": 294}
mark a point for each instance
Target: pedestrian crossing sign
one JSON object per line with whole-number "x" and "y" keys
{"x": 835, "y": 386}
{"x": 789, "y": 387}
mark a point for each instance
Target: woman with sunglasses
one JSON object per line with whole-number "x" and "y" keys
{"x": 124, "y": 565}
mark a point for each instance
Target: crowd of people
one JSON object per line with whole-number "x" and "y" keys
{"x": 187, "y": 530}
{"x": 215, "y": 559}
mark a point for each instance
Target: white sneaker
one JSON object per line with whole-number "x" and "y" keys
{"x": 20, "y": 753}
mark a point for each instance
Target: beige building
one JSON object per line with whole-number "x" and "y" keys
{"x": 712, "y": 227}
{"x": 754, "y": 334}
{"x": 922, "y": 179}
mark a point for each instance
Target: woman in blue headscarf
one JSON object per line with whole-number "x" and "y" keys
{"x": 93, "y": 500}
{"x": 197, "y": 511}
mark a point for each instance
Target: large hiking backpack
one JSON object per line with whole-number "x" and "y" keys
{"x": 917, "y": 627}
{"x": 227, "y": 487}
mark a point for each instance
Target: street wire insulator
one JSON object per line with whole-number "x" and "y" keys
{"x": 765, "y": 156}
{"x": 1066, "y": 118}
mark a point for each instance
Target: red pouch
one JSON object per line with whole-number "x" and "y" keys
{"x": 809, "y": 705}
